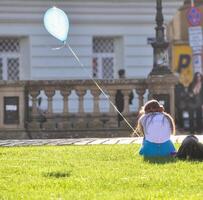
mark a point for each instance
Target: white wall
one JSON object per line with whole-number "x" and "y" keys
{"x": 133, "y": 21}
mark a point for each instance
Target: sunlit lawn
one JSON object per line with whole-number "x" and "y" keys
{"x": 95, "y": 172}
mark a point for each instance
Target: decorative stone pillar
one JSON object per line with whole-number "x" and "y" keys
{"x": 161, "y": 81}
{"x": 96, "y": 122}
{"x": 65, "y": 123}
{"x": 81, "y": 124}
{"x": 34, "y": 94}
{"x": 112, "y": 94}
{"x": 140, "y": 91}
{"x": 113, "y": 121}
{"x": 96, "y": 94}
{"x": 65, "y": 94}
{"x": 81, "y": 94}
{"x": 49, "y": 124}
{"x": 160, "y": 46}
{"x": 126, "y": 94}
{"x": 126, "y": 110}
{"x": 50, "y": 93}
{"x": 34, "y": 124}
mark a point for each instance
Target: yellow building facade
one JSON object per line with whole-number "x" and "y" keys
{"x": 183, "y": 58}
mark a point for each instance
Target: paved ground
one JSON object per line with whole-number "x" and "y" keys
{"x": 85, "y": 141}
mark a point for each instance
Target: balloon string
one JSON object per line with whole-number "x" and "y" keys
{"x": 60, "y": 47}
{"x": 102, "y": 91}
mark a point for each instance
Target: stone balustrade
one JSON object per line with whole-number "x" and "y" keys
{"x": 22, "y": 116}
{"x": 95, "y": 121}
{"x": 46, "y": 123}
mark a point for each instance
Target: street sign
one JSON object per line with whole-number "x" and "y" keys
{"x": 197, "y": 50}
{"x": 195, "y": 36}
{"x": 194, "y": 16}
{"x": 197, "y": 63}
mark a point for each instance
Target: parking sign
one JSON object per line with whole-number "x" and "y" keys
{"x": 194, "y": 16}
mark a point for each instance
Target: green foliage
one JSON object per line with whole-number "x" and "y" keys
{"x": 100, "y": 172}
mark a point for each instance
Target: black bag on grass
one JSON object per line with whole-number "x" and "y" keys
{"x": 190, "y": 148}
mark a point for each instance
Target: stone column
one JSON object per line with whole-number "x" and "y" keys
{"x": 34, "y": 124}
{"x": 96, "y": 122}
{"x": 140, "y": 91}
{"x": 81, "y": 94}
{"x": 126, "y": 110}
{"x": 34, "y": 95}
{"x": 112, "y": 94}
{"x": 161, "y": 81}
{"x": 81, "y": 124}
{"x": 65, "y": 94}
{"x": 113, "y": 122}
{"x": 96, "y": 94}
{"x": 49, "y": 124}
{"x": 50, "y": 94}
{"x": 126, "y": 94}
{"x": 65, "y": 123}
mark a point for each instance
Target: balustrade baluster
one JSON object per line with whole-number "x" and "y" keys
{"x": 34, "y": 124}
{"x": 65, "y": 94}
{"x": 96, "y": 120}
{"x": 140, "y": 92}
{"x": 34, "y": 94}
{"x": 50, "y": 93}
{"x": 113, "y": 121}
{"x": 126, "y": 94}
{"x": 50, "y": 123}
{"x": 81, "y": 121}
{"x": 81, "y": 94}
{"x": 112, "y": 94}
{"x": 96, "y": 94}
{"x": 65, "y": 123}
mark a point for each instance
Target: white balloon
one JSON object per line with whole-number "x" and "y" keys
{"x": 56, "y": 22}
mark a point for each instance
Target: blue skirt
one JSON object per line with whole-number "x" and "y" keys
{"x": 150, "y": 149}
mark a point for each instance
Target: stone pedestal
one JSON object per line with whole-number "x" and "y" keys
{"x": 12, "y": 104}
{"x": 161, "y": 87}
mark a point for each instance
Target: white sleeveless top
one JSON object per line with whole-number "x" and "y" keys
{"x": 156, "y": 127}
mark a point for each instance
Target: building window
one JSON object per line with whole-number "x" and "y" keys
{"x": 103, "y": 57}
{"x": 9, "y": 59}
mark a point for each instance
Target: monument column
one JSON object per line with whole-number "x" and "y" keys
{"x": 161, "y": 81}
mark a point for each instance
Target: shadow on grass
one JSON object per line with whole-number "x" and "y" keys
{"x": 191, "y": 160}
{"x": 160, "y": 160}
{"x": 57, "y": 174}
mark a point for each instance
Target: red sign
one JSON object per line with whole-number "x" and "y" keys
{"x": 194, "y": 16}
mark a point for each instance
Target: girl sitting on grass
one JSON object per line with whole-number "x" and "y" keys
{"x": 156, "y": 126}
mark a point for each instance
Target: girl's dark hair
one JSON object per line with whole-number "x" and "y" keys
{"x": 154, "y": 106}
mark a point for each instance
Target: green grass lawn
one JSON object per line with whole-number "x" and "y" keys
{"x": 95, "y": 172}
